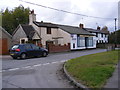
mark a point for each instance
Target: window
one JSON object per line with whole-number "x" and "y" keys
{"x": 81, "y": 41}
{"x": 48, "y": 30}
{"x": 78, "y": 41}
{"x": 23, "y": 41}
{"x": 15, "y": 47}
{"x": 90, "y": 41}
{"x": 101, "y": 34}
{"x": 35, "y": 47}
{"x": 28, "y": 47}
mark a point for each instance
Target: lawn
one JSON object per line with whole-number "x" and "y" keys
{"x": 93, "y": 70}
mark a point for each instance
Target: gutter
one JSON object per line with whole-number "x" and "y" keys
{"x": 79, "y": 85}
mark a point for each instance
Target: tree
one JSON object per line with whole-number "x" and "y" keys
{"x": 11, "y": 19}
{"x": 114, "y": 37}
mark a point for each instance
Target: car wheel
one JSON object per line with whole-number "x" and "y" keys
{"x": 23, "y": 56}
{"x": 44, "y": 54}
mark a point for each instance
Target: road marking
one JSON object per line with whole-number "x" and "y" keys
{"x": 13, "y": 69}
{"x": 27, "y": 67}
{"x": 54, "y": 62}
{"x": 37, "y": 65}
{"x": 45, "y": 64}
{"x": 32, "y": 66}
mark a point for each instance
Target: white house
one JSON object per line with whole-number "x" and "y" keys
{"x": 46, "y": 33}
{"x": 101, "y": 35}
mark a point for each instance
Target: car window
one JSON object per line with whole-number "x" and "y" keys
{"x": 15, "y": 46}
{"x": 35, "y": 47}
{"x": 28, "y": 46}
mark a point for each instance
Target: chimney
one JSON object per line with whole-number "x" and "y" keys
{"x": 32, "y": 17}
{"x": 98, "y": 28}
{"x": 81, "y": 26}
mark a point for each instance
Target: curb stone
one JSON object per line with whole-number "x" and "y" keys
{"x": 73, "y": 80}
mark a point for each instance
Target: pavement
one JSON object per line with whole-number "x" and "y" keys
{"x": 114, "y": 80}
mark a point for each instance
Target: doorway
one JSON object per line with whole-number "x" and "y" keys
{"x": 86, "y": 42}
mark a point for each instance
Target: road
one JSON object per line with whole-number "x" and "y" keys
{"x": 44, "y": 72}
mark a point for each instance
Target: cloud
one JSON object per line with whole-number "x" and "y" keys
{"x": 99, "y": 8}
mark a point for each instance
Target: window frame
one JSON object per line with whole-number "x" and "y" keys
{"x": 48, "y": 30}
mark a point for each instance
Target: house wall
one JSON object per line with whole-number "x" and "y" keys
{"x": 66, "y": 36}
{"x": 55, "y": 32}
{"x": 9, "y": 39}
{"x": 99, "y": 38}
{"x": 18, "y": 35}
{"x": 5, "y": 42}
{"x": 74, "y": 42}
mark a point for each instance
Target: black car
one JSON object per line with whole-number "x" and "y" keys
{"x": 27, "y": 50}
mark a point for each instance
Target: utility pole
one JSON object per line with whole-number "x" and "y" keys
{"x": 115, "y": 33}
{"x": 115, "y": 23}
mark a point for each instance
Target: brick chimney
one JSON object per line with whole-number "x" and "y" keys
{"x": 81, "y": 25}
{"x": 32, "y": 17}
{"x": 98, "y": 28}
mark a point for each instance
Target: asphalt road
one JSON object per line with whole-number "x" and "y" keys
{"x": 44, "y": 72}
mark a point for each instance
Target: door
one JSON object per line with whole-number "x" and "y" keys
{"x": 86, "y": 42}
{"x": 36, "y": 50}
{"x": 29, "y": 50}
{"x": 3, "y": 46}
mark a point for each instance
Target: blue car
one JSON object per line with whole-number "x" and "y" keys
{"x": 24, "y": 51}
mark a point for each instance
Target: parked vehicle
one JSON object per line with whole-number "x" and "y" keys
{"x": 27, "y": 50}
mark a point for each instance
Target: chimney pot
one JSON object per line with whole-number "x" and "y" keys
{"x": 32, "y": 12}
{"x": 98, "y": 28}
{"x": 81, "y": 25}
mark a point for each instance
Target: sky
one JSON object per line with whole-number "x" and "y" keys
{"x": 97, "y": 8}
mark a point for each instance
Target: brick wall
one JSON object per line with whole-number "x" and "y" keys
{"x": 58, "y": 48}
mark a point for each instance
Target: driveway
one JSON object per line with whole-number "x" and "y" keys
{"x": 39, "y": 72}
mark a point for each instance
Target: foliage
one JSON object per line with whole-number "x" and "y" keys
{"x": 114, "y": 37}
{"x": 0, "y": 19}
{"x": 12, "y": 18}
{"x": 93, "y": 70}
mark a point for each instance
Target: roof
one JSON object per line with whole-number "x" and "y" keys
{"x": 29, "y": 30}
{"x": 105, "y": 31}
{"x": 45, "y": 24}
{"x": 69, "y": 29}
{"x": 92, "y": 30}
{"x": 3, "y": 30}
{"x": 74, "y": 30}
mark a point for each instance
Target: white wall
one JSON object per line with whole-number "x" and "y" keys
{"x": 74, "y": 41}
{"x": 99, "y": 38}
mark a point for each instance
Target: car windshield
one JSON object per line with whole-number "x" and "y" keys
{"x": 15, "y": 47}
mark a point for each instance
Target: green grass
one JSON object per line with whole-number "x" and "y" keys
{"x": 93, "y": 70}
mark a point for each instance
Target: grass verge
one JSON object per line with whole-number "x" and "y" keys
{"x": 93, "y": 70}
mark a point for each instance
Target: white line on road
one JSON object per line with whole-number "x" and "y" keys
{"x": 37, "y": 65}
{"x": 33, "y": 66}
{"x": 45, "y": 64}
{"x": 27, "y": 67}
{"x": 13, "y": 69}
